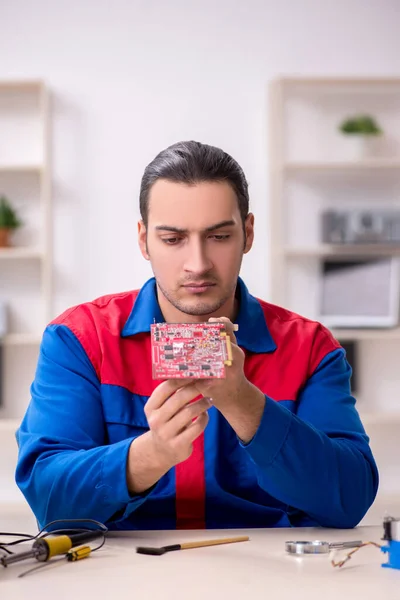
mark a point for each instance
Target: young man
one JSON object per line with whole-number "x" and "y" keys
{"x": 278, "y": 442}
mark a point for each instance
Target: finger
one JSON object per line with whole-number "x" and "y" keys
{"x": 194, "y": 430}
{"x": 228, "y": 326}
{"x": 185, "y": 417}
{"x": 164, "y": 391}
{"x": 178, "y": 401}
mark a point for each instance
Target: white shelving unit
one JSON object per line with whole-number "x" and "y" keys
{"x": 340, "y": 166}
{"x": 22, "y": 168}
{"x": 22, "y": 252}
{"x": 310, "y": 171}
{"x": 382, "y": 418}
{"x": 367, "y": 334}
{"x": 22, "y": 339}
{"x": 26, "y": 266}
{"x": 342, "y": 252}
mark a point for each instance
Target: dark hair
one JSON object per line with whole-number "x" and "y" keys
{"x": 190, "y": 163}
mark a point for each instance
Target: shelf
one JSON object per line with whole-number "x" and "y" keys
{"x": 380, "y": 418}
{"x": 311, "y": 170}
{"x": 20, "y": 252}
{"x": 29, "y": 85}
{"x": 9, "y": 425}
{"x": 366, "y": 334}
{"x": 26, "y": 265}
{"x": 339, "y": 81}
{"x": 22, "y": 339}
{"x": 21, "y": 169}
{"x": 343, "y": 251}
{"x": 362, "y": 165}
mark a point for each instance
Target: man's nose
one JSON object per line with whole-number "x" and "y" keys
{"x": 197, "y": 259}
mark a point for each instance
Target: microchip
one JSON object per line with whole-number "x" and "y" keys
{"x": 190, "y": 350}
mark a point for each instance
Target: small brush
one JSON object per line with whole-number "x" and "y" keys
{"x": 188, "y": 545}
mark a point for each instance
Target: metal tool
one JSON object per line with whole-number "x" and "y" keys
{"x": 318, "y": 547}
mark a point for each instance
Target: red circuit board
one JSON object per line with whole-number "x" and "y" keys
{"x": 186, "y": 350}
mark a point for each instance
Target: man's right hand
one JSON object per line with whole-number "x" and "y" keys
{"x": 175, "y": 421}
{"x": 170, "y": 413}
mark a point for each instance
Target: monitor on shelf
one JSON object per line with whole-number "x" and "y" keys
{"x": 360, "y": 293}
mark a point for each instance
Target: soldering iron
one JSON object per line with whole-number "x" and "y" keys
{"x": 45, "y": 548}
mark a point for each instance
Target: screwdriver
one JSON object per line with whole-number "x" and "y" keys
{"x": 46, "y": 547}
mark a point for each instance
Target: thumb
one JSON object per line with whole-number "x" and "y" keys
{"x": 229, "y": 326}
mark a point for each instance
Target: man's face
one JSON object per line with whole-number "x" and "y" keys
{"x": 195, "y": 243}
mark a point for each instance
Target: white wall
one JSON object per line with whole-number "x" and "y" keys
{"x": 130, "y": 77}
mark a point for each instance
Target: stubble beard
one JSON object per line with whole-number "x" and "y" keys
{"x": 200, "y": 308}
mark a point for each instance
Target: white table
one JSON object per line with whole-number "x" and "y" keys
{"x": 259, "y": 568}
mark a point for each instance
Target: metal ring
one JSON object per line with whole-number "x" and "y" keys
{"x": 307, "y": 547}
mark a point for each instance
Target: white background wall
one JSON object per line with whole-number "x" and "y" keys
{"x": 130, "y": 77}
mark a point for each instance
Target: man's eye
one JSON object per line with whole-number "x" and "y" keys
{"x": 170, "y": 241}
{"x": 221, "y": 237}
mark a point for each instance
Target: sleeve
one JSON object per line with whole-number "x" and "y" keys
{"x": 317, "y": 460}
{"x": 65, "y": 469}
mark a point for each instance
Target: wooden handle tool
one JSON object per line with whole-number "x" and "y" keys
{"x": 189, "y": 545}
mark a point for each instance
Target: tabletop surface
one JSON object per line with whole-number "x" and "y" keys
{"x": 258, "y": 568}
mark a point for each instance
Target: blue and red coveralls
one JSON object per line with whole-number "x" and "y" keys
{"x": 309, "y": 462}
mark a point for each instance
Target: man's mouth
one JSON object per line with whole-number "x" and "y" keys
{"x": 198, "y": 287}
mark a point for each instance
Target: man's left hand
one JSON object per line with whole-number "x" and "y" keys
{"x": 226, "y": 391}
{"x": 240, "y": 402}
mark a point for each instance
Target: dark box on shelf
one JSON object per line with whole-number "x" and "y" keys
{"x": 361, "y": 227}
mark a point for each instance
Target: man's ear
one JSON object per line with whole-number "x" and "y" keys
{"x": 142, "y": 239}
{"x": 249, "y": 231}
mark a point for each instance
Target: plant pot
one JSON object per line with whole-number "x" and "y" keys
{"x": 360, "y": 147}
{"x": 4, "y": 237}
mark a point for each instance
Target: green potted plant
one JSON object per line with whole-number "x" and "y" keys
{"x": 9, "y": 221}
{"x": 361, "y": 132}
